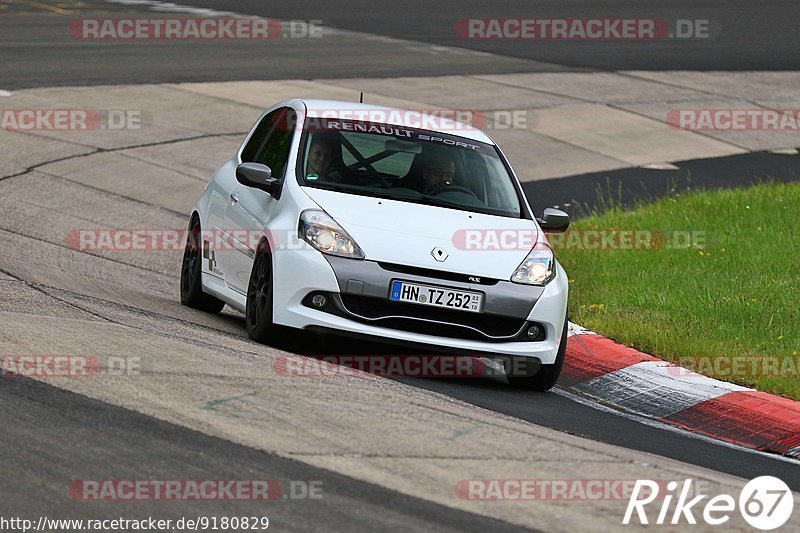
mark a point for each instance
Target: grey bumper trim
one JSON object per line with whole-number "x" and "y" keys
{"x": 377, "y": 321}
{"x": 367, "y": 278}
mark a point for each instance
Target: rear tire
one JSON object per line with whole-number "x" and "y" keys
{"x": 192, "y": 294}
{"x": 547, "y": 375}
{"x": 258, "y": 312}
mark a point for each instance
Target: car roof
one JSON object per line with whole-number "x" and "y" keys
{"x": 438, "y": 120}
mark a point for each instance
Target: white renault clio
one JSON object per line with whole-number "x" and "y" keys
{"x": 387, "y": 224}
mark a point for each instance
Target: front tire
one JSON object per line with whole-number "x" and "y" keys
{"x": 547, "y": 375}
{"x": 258, "y": 312}
{"x": 192, "y": 294}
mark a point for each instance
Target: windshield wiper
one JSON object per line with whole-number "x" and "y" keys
{"x": 347, "y": 188}
{"x": 385, "y": 194}
{"x": 432, "y": 200}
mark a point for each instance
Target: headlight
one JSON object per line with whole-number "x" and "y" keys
{"x": 323, "y": 233}
{"x": 539, "y": 268}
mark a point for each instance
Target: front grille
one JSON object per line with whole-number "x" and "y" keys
{"x": 451, "y": 323}
{"x": 437, "y": 274}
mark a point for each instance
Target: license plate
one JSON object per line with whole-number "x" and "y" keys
{"x": 403, "y": 291}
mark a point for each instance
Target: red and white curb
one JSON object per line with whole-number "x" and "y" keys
{"x": 612, "y": 374}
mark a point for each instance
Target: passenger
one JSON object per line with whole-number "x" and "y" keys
{"x": 322, "y": 159}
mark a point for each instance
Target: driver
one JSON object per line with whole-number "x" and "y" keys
{"x": 437, "y": 172}
{"x": 430, "y": 173}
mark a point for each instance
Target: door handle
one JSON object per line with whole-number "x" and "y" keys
{"x": 234, "y": 199}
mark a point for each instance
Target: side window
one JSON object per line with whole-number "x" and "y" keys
{"x": 272, "y": 140}
{"x": 255, "y": 143}
{"x": 275, "y": 152}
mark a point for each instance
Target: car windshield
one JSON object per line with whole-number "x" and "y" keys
{"x": 409, "y": 165}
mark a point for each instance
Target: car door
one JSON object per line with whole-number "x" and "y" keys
{"x": 250, "y": 209}
{"x": 214, "y": 236}
{"x": 221, "y": 257}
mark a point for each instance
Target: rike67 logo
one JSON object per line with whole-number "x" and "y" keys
{"x": 766, "y": 503}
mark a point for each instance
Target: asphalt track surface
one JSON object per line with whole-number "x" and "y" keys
{"x": 561, "y": 412}
{"x": 35, "y": 460}
{"x": 746, "y": 35}
{"x": 47, "y": 421}
{"x": 583, "y": 194}
{"x": 38, "y": 51}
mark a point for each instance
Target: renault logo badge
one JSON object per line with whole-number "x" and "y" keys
{"x": 439, "y": 254}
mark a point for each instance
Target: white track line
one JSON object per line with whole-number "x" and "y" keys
{"x": 656, "y": 388}
{"x": 575, "y": 329}
{"x": 171, "y": 7}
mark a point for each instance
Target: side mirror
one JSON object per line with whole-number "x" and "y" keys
{"x": 258, "y": 176}
{"x": 554, "y": 221}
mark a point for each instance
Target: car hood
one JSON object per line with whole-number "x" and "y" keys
{"x": 407, "y": 233}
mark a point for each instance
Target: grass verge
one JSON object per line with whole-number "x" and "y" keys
{"x": 707, "y": 280}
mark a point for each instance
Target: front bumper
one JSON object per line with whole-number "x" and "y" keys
{"x": 300, "y": 270}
